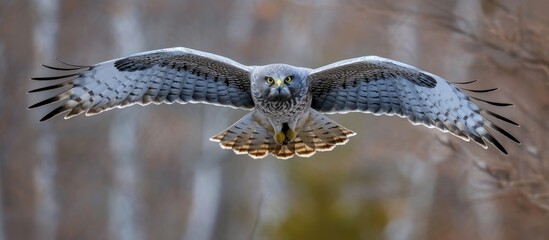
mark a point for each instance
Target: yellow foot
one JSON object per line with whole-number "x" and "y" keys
{"x": 279, "y": 137}
{"x": 290, "y": 135}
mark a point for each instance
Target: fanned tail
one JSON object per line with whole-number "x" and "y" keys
{"x": 319, "y": 133}
{"x": 249, "y": 136}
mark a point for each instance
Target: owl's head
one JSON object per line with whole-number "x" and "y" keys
{"x": 278, "y": 82}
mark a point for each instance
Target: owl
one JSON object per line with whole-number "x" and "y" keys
{"x": 287, "y": 104}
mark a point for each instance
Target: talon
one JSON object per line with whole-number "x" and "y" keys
{"x": 291, "y": 134}
{"x": 279, "y": 137}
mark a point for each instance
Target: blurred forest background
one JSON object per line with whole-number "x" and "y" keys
{"x": 151, "y": 173}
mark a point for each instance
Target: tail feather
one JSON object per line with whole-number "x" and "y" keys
{"x": 284, "y": 151}
{"x": 302, "y": 149}
{"x": 307, "y": 137}
{"x": 329, "y": 132}
{"x": 246, "y": 136}
{"x": 317, "y": 133}
{"x": 259, "y": 143}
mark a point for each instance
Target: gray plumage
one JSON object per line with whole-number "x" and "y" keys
{"x": 287, "y": 102}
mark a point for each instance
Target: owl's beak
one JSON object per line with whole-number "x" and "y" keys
{"x": 278, "y": 82}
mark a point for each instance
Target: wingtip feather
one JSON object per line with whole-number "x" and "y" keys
{"x": 53, "y": 99}
{"x": 502, "y": 118}
{"x": 480, "y": 90}
{"x": 51, "y": 87}
{"x": 72, "y": 65}
{"x": 503, "y": 132}
{"x": 54, "y": 77}
{"x": 496, "y": 143}
{"x": 464, "y": 83}
{"x": 55, "y": 112}
{"x": 62, "y": 69}
{"x": 494, "y": 103}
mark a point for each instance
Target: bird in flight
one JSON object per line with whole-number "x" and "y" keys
{"x": 287, "y": 103}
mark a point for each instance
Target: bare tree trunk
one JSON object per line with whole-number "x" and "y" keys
{"x": 2, "y": 231}
{"x": 46, "y": 213}
{"x": 207, "y": 194}
{"x": 206, "y": 191}
{"x": 3, "y": 148}
{"x": 418, "y": 204}
{"x": 124, "y": 195}
{"x": 44, "y": 176}
{"x": 124, "y": 201}
{"x": 486, "y": 213}
{"x": 271, "y": 207}
{"x": 422, "y": 175}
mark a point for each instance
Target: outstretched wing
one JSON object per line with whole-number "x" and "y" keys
{"x": 162, "y": 76}
{"x": 383, "y": 86}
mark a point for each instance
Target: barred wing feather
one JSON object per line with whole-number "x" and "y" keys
{"x": 386, "y": 87}
{"x": 162, "y": 76}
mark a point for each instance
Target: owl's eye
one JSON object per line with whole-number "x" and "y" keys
{"x": 269, "y": 80}
{"x": 288, "y": 79}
